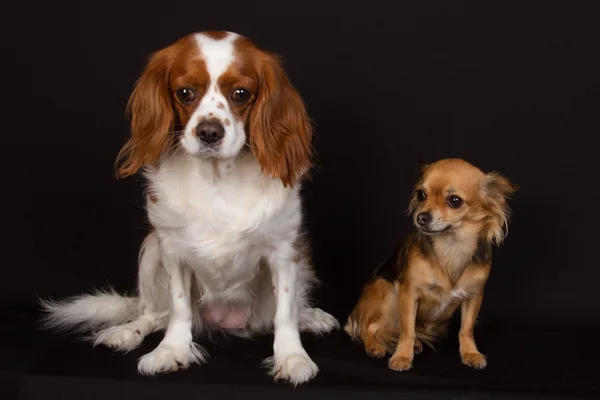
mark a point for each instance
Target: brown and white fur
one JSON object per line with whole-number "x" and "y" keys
{"x": 223, "y": 140}
{"x": 459, "y": 212}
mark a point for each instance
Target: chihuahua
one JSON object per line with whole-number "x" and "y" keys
{"x": 459, "y": 212}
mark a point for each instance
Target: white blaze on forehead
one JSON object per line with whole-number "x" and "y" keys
{"x": 217, "y": 54}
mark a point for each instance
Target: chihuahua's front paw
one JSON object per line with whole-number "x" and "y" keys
{"x": 475, "y": 360}
{"x": 400, "y": 363}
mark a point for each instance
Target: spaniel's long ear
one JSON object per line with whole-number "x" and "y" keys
{"x": 496, "y": 190}
{"x": 152, "y": 116}
{"x": 280, "y": 130}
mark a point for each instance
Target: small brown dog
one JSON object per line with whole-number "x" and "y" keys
{"x": 459, "y": 213}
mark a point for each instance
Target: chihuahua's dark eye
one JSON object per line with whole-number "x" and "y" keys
{"x": 454, "y": 201}
{"x": 186, "y": 95}
{"x": 421, "y": 196}
{"x": 240, "y": 96}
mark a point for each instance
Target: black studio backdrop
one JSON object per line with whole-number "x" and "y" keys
{"x": 507, "y": 86}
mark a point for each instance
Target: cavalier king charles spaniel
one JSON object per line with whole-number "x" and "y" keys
{"x": 223, "y": 141}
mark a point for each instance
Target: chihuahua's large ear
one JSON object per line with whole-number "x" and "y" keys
{"x": 152, "y": 116}
{"x": 280, "y": 130}
{"x": 496, "y": 190}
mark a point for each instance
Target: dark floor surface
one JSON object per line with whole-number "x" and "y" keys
{"x": 521, "y": 364}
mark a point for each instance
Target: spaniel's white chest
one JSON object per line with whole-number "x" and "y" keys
{"x": 220, "y": 217}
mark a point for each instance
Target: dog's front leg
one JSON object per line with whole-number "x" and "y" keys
{"x": 177, "y": 349}
{"x": 402, "y": 358}
{"x": 469, "y": 353}
{"x": 290, "y": 360}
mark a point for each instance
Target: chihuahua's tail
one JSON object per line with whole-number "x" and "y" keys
{"x": 388, "y": 336}
{"x": 430, "y": 334}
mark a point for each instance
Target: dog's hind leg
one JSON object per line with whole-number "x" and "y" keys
{"x": 153, "y": 302}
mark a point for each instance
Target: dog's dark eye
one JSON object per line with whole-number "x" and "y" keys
{"x": 186, "y": 95}
{"x": 454, "y": 201}
{"x": 240, "y": 96}
{"x": 421, "y": 196}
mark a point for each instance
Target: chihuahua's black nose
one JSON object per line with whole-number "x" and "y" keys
{"x": 210, "y": 131}
{"x": 423, "y": 218}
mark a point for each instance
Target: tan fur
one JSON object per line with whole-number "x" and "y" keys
{"x": 439, "y": 272}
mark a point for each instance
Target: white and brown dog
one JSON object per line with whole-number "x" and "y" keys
{"x": 223, "y": 140}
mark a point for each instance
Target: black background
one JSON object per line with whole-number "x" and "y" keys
{"x": 507, "y": 86}
{"x": 511, "y": 86}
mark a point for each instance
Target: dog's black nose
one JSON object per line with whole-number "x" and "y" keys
{"x": 210, "y": 131}
{"x": 423, "y": 218}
